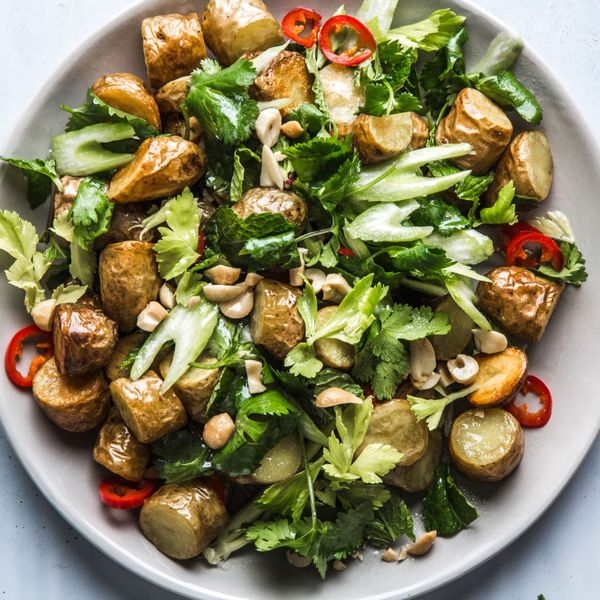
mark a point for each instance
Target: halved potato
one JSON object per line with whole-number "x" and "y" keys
{"x": 342, "y": 96}
{"x": 420, "y": 132}
{"x": 278, "y": 464}
{"x": 128, "y": 92}
{"x": 486, "y": 445}
{"x": 451, "y": 344}
{"x": 499, "y": 378}
{"x": 182, "y": 519}
{"x": 122, "y": 349}
{"x": 395, "y": 424}
{"x": 333, "y": 353}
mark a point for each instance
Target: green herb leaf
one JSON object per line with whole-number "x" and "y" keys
{"x": 320, "y": 158}
{"x": 503, "y": 210}
{"x": 430, "y": 34}
{"x": 436, "y": 213}
{"x": 92, "y": 212}
{"x": 310, "y": 117}
{"x": 40, "y": 175}
{"x": 573, "y": 271}
{"x": 432, "y": 410}
{"x": 390, "y": 522}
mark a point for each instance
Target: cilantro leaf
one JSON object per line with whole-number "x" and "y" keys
{"x": 92, "y": 212}
{"x": 416, "y": 258}
{"x": 40, "y": 175}
{"x": 327, "y": 378}
{"x": 404, "y": 322}
{"x": 390, "y": 522}
{"x": 503, "y": 210}
{"x": 308, "y": 307}
{"x": 312, "y": 119}
{"x": 471, "y": 188}
{"x": 444, "y": 217}
{"x": 380, "y": 100}
{"x": 573, "y": 271}
{"x": 432, "y": 410}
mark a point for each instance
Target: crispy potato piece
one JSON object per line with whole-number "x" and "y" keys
{"x": 486, "y": 444}
{"x": 333, "y": 353}
{"x": 129, "y": 279}
{"x": 128, "y": 92}
{"x": 173, "y": 46}
{"x": 124, "y": 346}
{"x": 234, "y": 27}
{"x": 343, "y": 98}
{"x": 148, "y": 413}
{"x": 276, "y": 323}
{"x": 176, "y": 125}
{"x": 119, "y": 451}
{"x": 280, "y": 463}
{"x": 420, "y": 132}
{"x": 273, "y": 200}
{"x": 475, "y": 119}
{"x": 73, "y": 403}
{"x": 520, "y": 301}
{"x": 162, "y": 167}
{"x": 171, "y": 96}
{"x": 499, "y": 378}
{"x": 182, "y": 519}
{"x": 528, "y": 163}
{"x": 416, "y": 477}
{"x": 84, "y": 338}
{"x": 126, "y": 224}
{"x": 195, "y": 387}
{"x": 395, "y": 424}
{"x": 450, "y": 344}
{"x": 286, "y": 77}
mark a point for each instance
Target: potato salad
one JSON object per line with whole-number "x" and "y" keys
{"x": 290, "y": 276}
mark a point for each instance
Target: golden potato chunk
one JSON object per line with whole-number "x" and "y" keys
{"x": 118, "y": 450}
{"x": 125, "y": 345}
{"x": 272, "y": 200}
{"x": 476, "y": 120}
{"x": 520, "y": 301}
{"x": 182, "y": 519}
{"x": 173, "y": 46}
{"x": 128, "y": 92}
{"x": 486, "y": 444}
{"x": 148, "y": 413}
{"x": 126, "y": 224}
{"x": 73, "y": 403}
{"x": 331, "y": 352}
{"x": 276, "y": 323}
{"x": 171, "y": 96}
{"x": 450, "y": 344}
{"x": 280, "y": 463}
{"x": 342, "y": 96}
{"x": 176, "y": 125}
{"x": 420, "y": 132}
{"x": 162, "y": 167}
{"x": 235, "y": 27}
{"x": 129, "y": 279}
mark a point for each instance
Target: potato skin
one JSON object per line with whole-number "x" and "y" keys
{"x": 286, "y": 77}
{"x": 129, "y": 279}
{"x": 342, "y": 97}
{"x": 176, "y": 125}
{"x": 171, "y": 96}
{"x": 503, "y": 455}
{"x": 380, "y": 138}
{"x": 420, "y": 132}
{"x": 125, "y": 344}
{"x": 73, "y": 403}
{"x": 182, "y": 519}
{"x": 162, "y": 167}
{"x": 527, "y": 162}
{"x": 276, "y": 324}
{"x": 272, "y": 200}
{"x": 475, "y": 119}
{"x": 146, "y": 412}
{"x": 235, "y": 27}
{"x": 394, "y": 423}
{"x": 331, "y": 352}
{"x": 173, "y": 46}
{"x": 520, "y": 301}
{"x": 84, "y": 338}
{"x": 126, "y": 224}
{"x": 450, "y": 344}
{"x": 128, "y": 92}
{"x": 119, "y": 451}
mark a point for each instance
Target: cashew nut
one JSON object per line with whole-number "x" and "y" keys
{"x": 463, "y": 369}
{"x": 338, "y": 565}
{"x": 271, "y": 174}
{"x": 390, "y": 555}
{"x": 296, "y": 560}
{"x": 218, "y": 430}
{"x": 166, "y": 296}
{"x": 254, "y": 374}
{"x": 268, "y": 126}
{"x": 422, "y": 364}
{"x": 296, "y": 279}
{"x": 42, "y": 314}
{"x": 239, "y": 307}
{"x": 252, "y": 279}
{"x": 151, "y": 316}
{"x": 292, "y": 129}
{"x": 423, "y": 544}
{"x": 335, "y": 396}
{"x": 317, "y": 279}
{"x": 335, "y": 288}
{"x": 193, "y": 302}
{"x": 489, "y": 342}
{"x": 223, "y": 293}
{"x": 223, "y": 275}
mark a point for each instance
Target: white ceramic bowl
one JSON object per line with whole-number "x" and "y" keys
{"x": 61, "y": 463}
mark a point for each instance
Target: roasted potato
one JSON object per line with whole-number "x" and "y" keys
{"x": 171, "y": 96}
{"x": 420, "y": 132}
{"x": 520, "y": 301}
{"x": 416, "y": 477}
{"x": 129, "y": 279}
{"x": 528, "y": 163}
{"x": 124, "y": 346}
{"x": 395, "y": 424}
{"x": 148, "y": 413}
{"x": 342, "y": 96}
{"x": 118, "y": 450}
{"x": 272, "y": 200}
{"x": 195, "y": 387}
{"x": 128, "y": 92}
{"x": 84, "y": 338}
{"x": 499, "y": 378}
{"x": 126, "y": 224}
{"x": 486, "y": 444}
{"x": 475, "y": 119}
{"x": 278, "y": 464}
{"x": 176, "y": 125}
{"x": 331, "y": 352}
{"x": 162, "y": 167}
{"x": 173, "y": 46}
{"x": 235, "y": 27}
{"x": 181, "y": 519}
{"x": 286, "y": 77}
{"x": 73, "y": 403}
{"x": 276, "y": 324}
{"x": 450, "y": 344}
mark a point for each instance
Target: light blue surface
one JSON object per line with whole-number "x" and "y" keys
{"x": 42, "y": 557}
